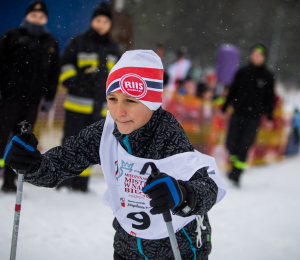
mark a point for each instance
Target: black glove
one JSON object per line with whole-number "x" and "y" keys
{"x": 165, "y": 193}
{"x": 21, "y": 153}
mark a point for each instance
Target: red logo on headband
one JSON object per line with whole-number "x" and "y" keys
{"x": 133, "y": 85}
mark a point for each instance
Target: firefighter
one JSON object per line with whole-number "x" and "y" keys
{"x": 85, "y": 64}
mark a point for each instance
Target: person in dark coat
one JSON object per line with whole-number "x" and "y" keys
{"x": 29, "y": 70}
{"x": 85, "y": 64}
{"x": 251, "y": 95}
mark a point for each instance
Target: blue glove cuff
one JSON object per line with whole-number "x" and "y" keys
{"x": 17, "y": 139}
{"x": 168, "y": 180}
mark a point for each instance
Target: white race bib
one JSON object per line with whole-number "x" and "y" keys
{"x": 124, "y": 184}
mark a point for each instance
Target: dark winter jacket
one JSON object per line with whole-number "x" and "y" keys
{"x": 29, "y": 66}
{"x": 252, "y": 92}
{"x": 161, "y": 137}
{"x": 85, "y": 54}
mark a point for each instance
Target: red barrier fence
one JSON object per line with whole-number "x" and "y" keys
{"x": 206, "y": 128}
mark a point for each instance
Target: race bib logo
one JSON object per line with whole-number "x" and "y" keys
{"x": 125, "y": 166}
{"x": 116, "y": 167}
{"x": 122, "y": 200}
{"x": 133, "y": 85}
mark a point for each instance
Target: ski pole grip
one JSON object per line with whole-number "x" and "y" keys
{"x": 155, "y": 171}
{"x": 25, "y": 127}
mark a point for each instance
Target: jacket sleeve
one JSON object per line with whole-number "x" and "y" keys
{"x": 68, "y": 68}
{"x": 4, "y": 54}
{"x": 53, "y": 75}
{"x": 202, "y": 194}
{"x": 232, "y": 91}
{"x": 269, "y": 98}
{"x": 62, "y": 162}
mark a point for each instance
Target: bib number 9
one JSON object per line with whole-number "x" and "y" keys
{"x": 145, "y": 220}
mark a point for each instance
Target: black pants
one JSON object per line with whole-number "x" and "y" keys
{"x": 118, "y": 257}
{"x": 241, "y": 135}
{"x": 11, "y": 114}
{"x": 74, "y": 123}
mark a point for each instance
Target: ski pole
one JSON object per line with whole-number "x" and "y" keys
{"x": 26, "y": 128}
{"x": 167, "y": 215}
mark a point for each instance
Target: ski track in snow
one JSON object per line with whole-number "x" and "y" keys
{"x": 260, "y": 221}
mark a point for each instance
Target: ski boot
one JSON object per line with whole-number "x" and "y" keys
{"x": 9, "y": 185}
{"x": 234, "y": 176}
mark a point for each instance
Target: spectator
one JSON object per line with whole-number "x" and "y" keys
{"x": 251, "y": 94}
{"x": 29, "y": 71}
{"x": 186, "y": 107}
{"x": 178, "y": 71}
{"x": 210, "y": 83}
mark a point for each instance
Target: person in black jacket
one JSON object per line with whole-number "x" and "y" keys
{"x": 137, "y": 125}
{"x": 85, "y": 64}
{"x": 29, "y": 70}
{"x": 251, "y": 95}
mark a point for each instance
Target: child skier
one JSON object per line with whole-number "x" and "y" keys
{"x": 136, "y": 130}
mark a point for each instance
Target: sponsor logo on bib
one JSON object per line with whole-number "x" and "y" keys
{"x": 125, "y": 166}
{"x": 122, "y": 200}
{"x": 133, "y": 85}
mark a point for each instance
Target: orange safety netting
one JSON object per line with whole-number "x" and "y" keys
{"x": 206, "y": 128}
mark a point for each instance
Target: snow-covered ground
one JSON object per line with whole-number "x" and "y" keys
{"x": 260, "y": 221}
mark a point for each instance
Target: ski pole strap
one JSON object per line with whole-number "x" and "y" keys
{"x": 155, "y": 171}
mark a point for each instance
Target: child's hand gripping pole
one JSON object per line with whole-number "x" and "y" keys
{"x": 26, "y": 128}
{"x": 167, "y": 215}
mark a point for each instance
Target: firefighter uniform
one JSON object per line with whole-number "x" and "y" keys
{"x": 85, "y": 64}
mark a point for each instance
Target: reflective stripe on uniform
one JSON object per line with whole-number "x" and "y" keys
{"x": 87, "y": 172}
{"x": 67, "y": 71}
{"x": 2, "y": 163}
{"x": 111, "y": 61}
{"x": 79, "y": 104}
{"x": 104, "y": 112}
{"x": 104, "y": 109}
{"x": 87, "y": 59}
{"x": 240, "y": 165}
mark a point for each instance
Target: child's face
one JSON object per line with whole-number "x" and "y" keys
{"x": 128, "y": 113}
